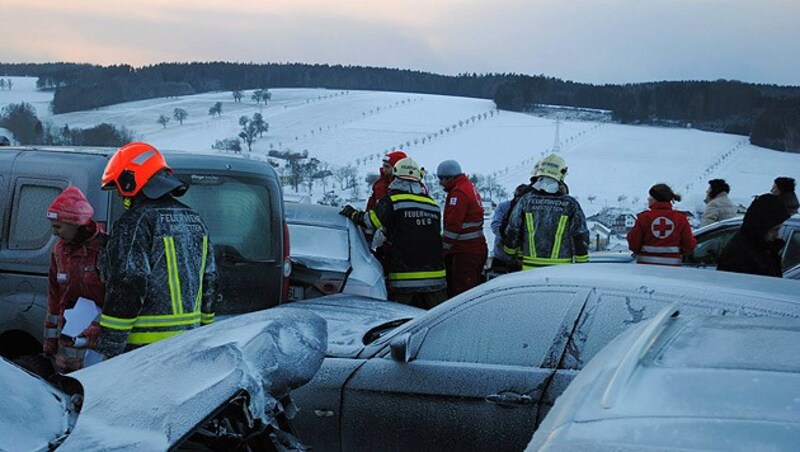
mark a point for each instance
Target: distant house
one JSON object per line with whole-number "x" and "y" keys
{"x": 599, "y": 235}
{"x": 623, "y": 223}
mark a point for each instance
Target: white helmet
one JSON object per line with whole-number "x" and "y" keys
{"x": 407, "y": 169}
{"x": 551, "y": 166}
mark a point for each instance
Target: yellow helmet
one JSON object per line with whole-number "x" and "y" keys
{"x": 407, "y": 169}
{"x": 551, "y": 166}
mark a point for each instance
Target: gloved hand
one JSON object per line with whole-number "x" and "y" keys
{"x": 50, "y": 346}
{"x": 350, "y": 212}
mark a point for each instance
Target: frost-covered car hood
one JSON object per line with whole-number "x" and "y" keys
{"x": 32, "y": 412}
{"x": 149, "y": 398}
{"x": 351, "y": 319}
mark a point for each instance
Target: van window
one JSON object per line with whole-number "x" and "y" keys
{"x": 30, "y": 228}
{"x": 237, "y": 212}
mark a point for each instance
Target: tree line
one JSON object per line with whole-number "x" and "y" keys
{"x": 766, "y": 113}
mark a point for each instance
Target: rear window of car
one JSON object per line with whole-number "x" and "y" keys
{"x": 745, "y": 343}
{"x": 319, "y": 242}
{"x": 237, "y": 212}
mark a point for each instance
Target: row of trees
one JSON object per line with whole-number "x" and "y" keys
{"x": 766, "y": 112}
{"x": 179, "y": 114}
{"x": 22, "y": 121}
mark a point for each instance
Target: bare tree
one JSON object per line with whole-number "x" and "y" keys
{"x": 216, "y": 109}
{"x": 180, "y": 115}
{"x": 237, "y": 95}
{"x": 163, "y": 120}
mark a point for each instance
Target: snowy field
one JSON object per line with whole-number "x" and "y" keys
{"x": 613, "y": 164}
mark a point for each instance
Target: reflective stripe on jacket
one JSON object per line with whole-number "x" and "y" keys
{"x": 160, "y": 273}
{"x": 411, "y": 224}
{"x": 463, "y": 219}
{"x": 661, "y": 236}
{"x": 546, "y": 229}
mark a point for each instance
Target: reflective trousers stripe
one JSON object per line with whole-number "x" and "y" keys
{"x": 544, "y": 261}
{"x": 661, "y": 249}
{"x": 417, "y": 275}
{"x": 643, "y": 259}
{"x": 153, "y": 321}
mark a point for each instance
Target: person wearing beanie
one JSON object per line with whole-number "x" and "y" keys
{"x": 783, "y": 187}
{"x": 718, "y": 206}
{"x": 661, "y": 235}
{"x": 73, "y": 274}
{"x": 756, "y": 248}
{"x": 465, "y": 248}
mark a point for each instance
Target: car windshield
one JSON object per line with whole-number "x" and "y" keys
{"x": 319, "y": 242}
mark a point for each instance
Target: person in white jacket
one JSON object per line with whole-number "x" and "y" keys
{"x": 718, "y": 206}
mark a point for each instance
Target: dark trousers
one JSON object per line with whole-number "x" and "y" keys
{"x": 464, "y": 271}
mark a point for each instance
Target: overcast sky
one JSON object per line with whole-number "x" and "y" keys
{"x": 596, "y": 41}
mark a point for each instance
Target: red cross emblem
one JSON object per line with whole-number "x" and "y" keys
{"x": 662, "y": 227}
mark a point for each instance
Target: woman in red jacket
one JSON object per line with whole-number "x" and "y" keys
{"x": 73, "y": 274}
{"x": 661, "y": 235}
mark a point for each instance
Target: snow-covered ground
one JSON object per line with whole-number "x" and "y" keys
{"x": 611, "y": 163}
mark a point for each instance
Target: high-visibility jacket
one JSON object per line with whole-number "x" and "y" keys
{"x": 160, "y": 275}
{"x": 463, "y": 219}
{"x": 411, "y": 222}
{"x": 73, "y": 274}
{"x": 547, "y": 229}
{"x": 661, "y": 235}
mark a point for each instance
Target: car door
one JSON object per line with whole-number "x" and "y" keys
{"x": 474, "y": 381}
{"x": 709, "y": 247}
{"x": 791, "y": 253}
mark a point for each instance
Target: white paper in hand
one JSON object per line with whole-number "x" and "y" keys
{"x": 80, "y": 317}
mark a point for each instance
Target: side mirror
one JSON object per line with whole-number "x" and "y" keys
{"x": 400, "y": 348}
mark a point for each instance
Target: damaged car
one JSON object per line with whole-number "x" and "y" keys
{"x": 481, "y": 370}
{"x": 219, "y": 387}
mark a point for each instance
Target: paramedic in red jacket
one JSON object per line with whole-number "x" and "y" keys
{"x": 73, "y": 274}
{"x": 661, "y": 235}
{"x": 463, "y": 241}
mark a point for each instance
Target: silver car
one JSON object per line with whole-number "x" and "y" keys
{"x": 329, "y": 255}
{"x": 481, "y": 370}
{"x": 679, "y": 382}
{"x": 219, "y": 387}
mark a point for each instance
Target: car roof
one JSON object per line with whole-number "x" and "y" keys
{"x": 686, "y": 381}
{"x": 314, "y": 214}
{"x": 652, "y": 277}
{"x": 793, "y": 221}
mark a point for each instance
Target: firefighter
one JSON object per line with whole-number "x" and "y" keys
{"x": 380, "y": 187}
{"x": 73, "y": 274}
{"x": 547, "y": 226}
{"x": 158, "y": 265}
{"x": 463, "y": 241}
{"x": 411, "y": 221}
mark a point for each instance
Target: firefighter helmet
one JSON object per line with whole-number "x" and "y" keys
{"x": 407, "y": 169}
{"x": 551, "y": 166}
{"x": 139, "y": 167}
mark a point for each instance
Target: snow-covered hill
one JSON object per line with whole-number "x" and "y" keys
{"x": 611, "y": 164}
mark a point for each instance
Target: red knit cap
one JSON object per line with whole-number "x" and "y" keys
{"x": 72, "y": 207}
{"x": 394, "y": 157}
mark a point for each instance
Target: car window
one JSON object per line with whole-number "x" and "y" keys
{"x": 612, "y": 312}
{"x": 710, "y": 246}
{"x": 236, "y": 211}
{"x": 319, "y": 242}
{"x": 791, "y": 256}
{"x": 30, "y": 228}
{"x": 513, "y": 328}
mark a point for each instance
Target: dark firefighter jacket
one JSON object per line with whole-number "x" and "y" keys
{"x": 547, "y": 229}
{"x": 411, "y": 223}
{"x": 159, "y": 271}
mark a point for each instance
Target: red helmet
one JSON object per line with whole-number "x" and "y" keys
{"x": 132, "y": 167}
